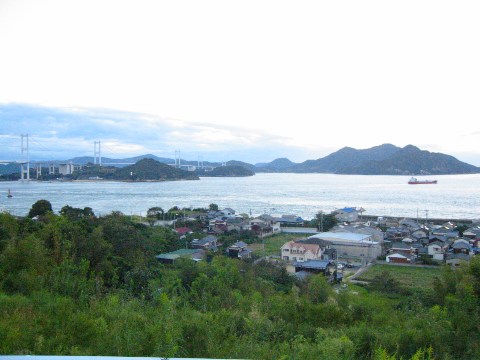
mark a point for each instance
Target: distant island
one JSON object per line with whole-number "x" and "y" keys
{"x": 229, "y": 171}
{"x": 143, "y": 170}
{"x": 386, "y": 159}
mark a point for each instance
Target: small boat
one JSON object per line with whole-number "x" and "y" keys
{"x": 9, "y": 194}
{"x": 415, "y": 181}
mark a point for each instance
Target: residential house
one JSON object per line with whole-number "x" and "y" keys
{"x": 396, "y": 233}
{"x": 348, "y": 214}
{"x": 238, "y": 224}
{"x": 436, "y": 250}
{"x": 296, "y": 251}
{"x": 326, "y": 267}
{"x": 410, "y": 224}
{"x": 207, "y": 243}
{"x": 419, "y": 234}
{"x": 182, "y": 231}
{"x": 227, "y": 213}
{"x": 272, "y": 222}
{"x": 239, "y": 250}
{"x": 373, "y": 231}
{"x": 328, "y": 253}
{"x": 400, "y": 247}
{"x": 171, "y": 257}
{"x": 457, "y": 259}
{"x": 461, "y": 246}
{"x": 290, "y": 220}
{"x": 398, "y": 258}
{"x": 352, "y": 245}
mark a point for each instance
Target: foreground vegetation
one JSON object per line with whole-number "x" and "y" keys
{"x": 75, "y": 284}
{"x": 410, "y": 278}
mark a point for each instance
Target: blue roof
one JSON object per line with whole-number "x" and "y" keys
{"x": 348, "y": 209}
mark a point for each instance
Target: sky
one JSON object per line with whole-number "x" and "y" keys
{"x": 245, "y": 80}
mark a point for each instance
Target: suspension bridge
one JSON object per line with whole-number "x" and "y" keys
{"x": 27, "y": 166}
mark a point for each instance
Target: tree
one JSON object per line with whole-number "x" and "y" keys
{"x": 213, "y": 207}
{"x": 76, "y": 213}
{"x": 324, "y": 222}
{"x": 154, "y": 213}
{"x": 40, "y": 208}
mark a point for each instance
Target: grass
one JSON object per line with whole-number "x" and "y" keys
{"x": 273, "y": 244}
{"x": 412, "y": 278}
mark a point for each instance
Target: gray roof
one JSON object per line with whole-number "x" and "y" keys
{"x": 313, "y": 264}
{"x": 461, "y": 244}
{"x": 239, "y": 244}
{"x": 459, "y": 256}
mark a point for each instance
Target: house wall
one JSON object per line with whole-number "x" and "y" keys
{"x": 397, "y": 260}
{"x": 351, "y": 249}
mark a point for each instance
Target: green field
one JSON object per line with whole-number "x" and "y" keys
{"x": 412, "y": 278}
{"x": 273, "y": 244}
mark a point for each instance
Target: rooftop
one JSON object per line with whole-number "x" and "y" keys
{"x": 344, "y": 237}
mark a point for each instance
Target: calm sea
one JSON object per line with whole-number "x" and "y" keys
{"x": 455, "y": 196}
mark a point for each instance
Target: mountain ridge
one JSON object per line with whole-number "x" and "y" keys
{"x": 385, "y": 159}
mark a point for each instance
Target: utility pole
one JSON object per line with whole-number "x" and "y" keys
{"x": 25, "y": 166}
{"x": 321, "y": 221}
{"x": 426, "y": 216}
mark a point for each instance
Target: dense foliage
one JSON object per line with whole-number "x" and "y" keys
{"x": 143, "y": 170}
{"x": 229, "y": 171}
{"x": 75, "y": 284}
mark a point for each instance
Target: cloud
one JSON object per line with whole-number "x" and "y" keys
{"x": 59, "y": 133}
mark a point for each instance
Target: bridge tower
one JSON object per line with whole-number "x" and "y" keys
{"x": 97, "y": 153}
{"x": 177, "y": 158}
{"x": 25, "y": 165}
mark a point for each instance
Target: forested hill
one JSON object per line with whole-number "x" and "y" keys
{"x": 229, "y": 171}
{"x": 410, "y": 160}
{"x": 345, "y": 157}
{"x": 386, "y": 159}
{"x": 143, "y": 170}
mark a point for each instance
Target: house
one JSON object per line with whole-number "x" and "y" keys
{"x": 398, "y": 258}
{"x": 436, "y": 250}
{"x": 461, "y": 246}
{"x": 271, "y": 222}
{"x": 326, "y": 267}
{"x": 297, "y": 251}
{"x": 328, "y": 253}
{"x": 400, "y": 247}
{"x": 348, "y": 214}
{"x": 193, "y": 254}
{"x": 181, "y": 231}
{"x": 411, "y": 224}
{"x": 239, "y": 250}
{"x": 207, "y": 243}
{"x": 457, "y": 259}
{"x": 419, "y": 234}
{"x": 396, "y": 233}
{"x": 290, "y": 220}
{"x": 351, "y": 245}
{"x": 373, "y": 231}
{"x": 227, "y": 213}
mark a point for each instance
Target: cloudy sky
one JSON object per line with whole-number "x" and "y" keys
{"x": 246, "y": 80}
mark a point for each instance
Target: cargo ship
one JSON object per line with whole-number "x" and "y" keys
{"x": 415, "y": 181}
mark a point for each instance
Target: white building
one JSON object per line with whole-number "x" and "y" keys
{"x": 351, "y": 245}
{"x": 295, "y": 251}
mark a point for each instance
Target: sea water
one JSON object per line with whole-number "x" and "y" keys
{"x": 455, "y": 196}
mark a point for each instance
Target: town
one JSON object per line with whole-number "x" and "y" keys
{"x": 330, "y": 244}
